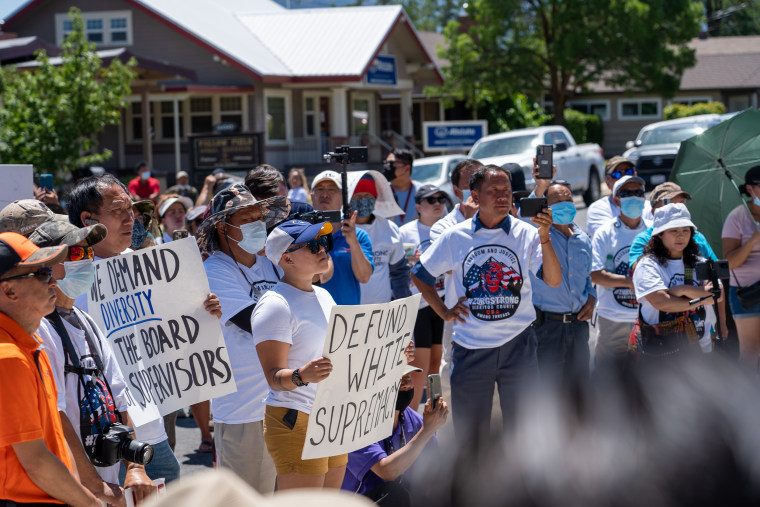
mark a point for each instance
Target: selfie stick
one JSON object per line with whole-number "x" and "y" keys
{"x": 344, "y": 189}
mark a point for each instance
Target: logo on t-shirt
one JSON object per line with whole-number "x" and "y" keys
{"x": 624, "y": 296}
{"x": 492, "y": 282}
{"x": 379, "y": 257}
{"x": 697, "y": 315}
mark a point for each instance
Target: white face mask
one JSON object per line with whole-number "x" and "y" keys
{"x": 78, "y": 279}
{"x": 254, "y": 236}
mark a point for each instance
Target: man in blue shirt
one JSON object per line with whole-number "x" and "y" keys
{"x": 562, "y": 313}
{"x": 351, "y": 256}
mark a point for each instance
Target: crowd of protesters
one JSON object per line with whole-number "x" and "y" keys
{"x": 508, "y": 303}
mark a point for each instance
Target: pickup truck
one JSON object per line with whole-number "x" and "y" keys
{"x": 580, "y": 164}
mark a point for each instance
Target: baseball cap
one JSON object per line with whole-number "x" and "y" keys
{"x": 426, "y": 191}
{"x": 25, "y": 215}
{"x": 217, "y": 171}
{"x": 182, "y": 174}
{"x": 614, "y": 162}
{"x": 292, "y": 232}
{"x": 195, "y": 213}
{"x": 327, "y": 175}
{"x": 671, "y": 216}
{"x": 625, "y": 179}
{"x": 165, "y": 205}
{"x": 667, "y": 190}
{"x": 54, "y": 233}
{"x": 752, "y": 177}
{"x": 18, "y": 251}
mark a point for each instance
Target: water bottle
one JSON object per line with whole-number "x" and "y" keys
{"x": 609, "y": 264}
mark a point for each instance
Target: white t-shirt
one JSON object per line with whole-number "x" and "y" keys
{"x": 386, "y": 249}
{"x": 299, "y": 318}
{"x": 447, "y": 222}
{"x": 234, "y": 293}
{"x": 490, "y": 268}
{"x": 602, "y": 211}
{"x": 651, "y": 276}
{"x": 67, "y": 384}
{"x": 298, "y": 194}
{"x": 418, "y": 234}
{"x": 611, "y": 244}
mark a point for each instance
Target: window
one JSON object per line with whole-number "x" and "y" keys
{"x": 167, "y": 119}
{"x": 201, "y": 115}
{"x": 690, "y": 101}
{"x": 639, "y": 109}
{"x": 106, "y": 28}
{"x": 361, "y": 115}
{"x": 231, "y": 111}
{"x": 556, "y": 137}
{"x": 310, "y": 117}
{"x": 137, "y": 121}
{"x": 600, "y": 108}
{"x": 277, "y": 116}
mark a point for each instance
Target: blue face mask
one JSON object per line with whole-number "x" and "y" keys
{"x": 632, "y": 206}
{"x": 563, "y": 212}
{"x": 363, "y": 206}
{"x": 139, "y": 233}
{"x": 78, "y": 279}
{"x": 145, "y": 175}
{"x": 254, "y": 236}
{"x": 465, "y": 195}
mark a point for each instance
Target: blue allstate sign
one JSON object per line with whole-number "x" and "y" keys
{"x": 382, "y": 71}
{"x": 452, "y": 135}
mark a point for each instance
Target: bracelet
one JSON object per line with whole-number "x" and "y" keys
{"x": 548, "y": 240}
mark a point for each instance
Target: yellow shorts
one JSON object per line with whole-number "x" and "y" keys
{"x": 286, "y": 445}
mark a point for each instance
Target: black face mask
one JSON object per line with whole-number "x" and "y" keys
{"x": 404, "y": 399}
{"x": 389, "y": 171}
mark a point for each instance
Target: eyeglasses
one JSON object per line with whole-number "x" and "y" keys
{"x": 78, "y": 253}
{"x": 617, "y": 174}
{"x": 315, "y": 245}
{"x": 43, "y": 275}
{"x": 630, "y": 193}
{"x": 433, "y": 199}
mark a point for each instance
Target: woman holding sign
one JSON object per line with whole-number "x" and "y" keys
{"x": 289, "y": 325}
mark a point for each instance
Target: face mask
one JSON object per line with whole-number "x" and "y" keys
{"x": 183, "y": 187}
{"x": 145, "y": 175}
{"x": 563, "y": 212}
{"x": 254, "y": 236}
{"x": 465, "y": 195}
{"x": 755, "y": 198}
{"x": 389, "y": 171}
{"x": 139, "y": 233}
{"x": 404, "y": 399}
{"x": 364, "y": 206}
{"x": 78, "y": 279}
{"x": 632, "y": 206}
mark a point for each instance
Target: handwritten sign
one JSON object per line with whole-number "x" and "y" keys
{"x": 149, "y": 305}
{"x": 354, "y": 406}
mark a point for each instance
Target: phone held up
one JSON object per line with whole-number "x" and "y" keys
{"x": 179, "y": 234}
{"x": 46, "y": 181}
{"x": 531, "y": 206}
{"x": 434, "y": 389}
{"x": 544, "y": 160}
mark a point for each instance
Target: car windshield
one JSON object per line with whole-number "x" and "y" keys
{"x": 671, "y": 135}
{"x": 427, "y": 172}
{"x": 503, "y": 146}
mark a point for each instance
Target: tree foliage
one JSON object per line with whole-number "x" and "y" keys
{"x": 732, "y": 17}
{"x": 51, "y": 115}
{"x": 560, "y": 48}
{"x": 674, "y": 111}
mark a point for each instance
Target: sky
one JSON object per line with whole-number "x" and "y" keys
{"x": 9, "y": 6}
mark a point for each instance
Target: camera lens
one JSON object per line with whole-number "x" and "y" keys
{"x": 136, "y": 452}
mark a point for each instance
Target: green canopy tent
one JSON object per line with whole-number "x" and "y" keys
{"x": 711, "y": 166}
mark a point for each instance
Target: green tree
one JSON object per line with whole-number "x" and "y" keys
{"x": 732, "y": 17}
{"x": 560, "y": 48}
{"x": 51, "y": 115}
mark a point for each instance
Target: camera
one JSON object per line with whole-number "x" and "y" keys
{"x": 117, "y": 444}
{"x": 317, "y": 217}
{"x": 711, "y": 270}
{"x": 348, "y": 155}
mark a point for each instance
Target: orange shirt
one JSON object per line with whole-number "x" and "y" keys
{"x": 28, "y": 410}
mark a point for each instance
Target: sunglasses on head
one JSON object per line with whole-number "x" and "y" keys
{"x": 433, "y": 199}
{"x": 78, "y": 253}
{"x": 314, "y": 245}
{"x": 617, "y": 174}
{"x": 630, "y": 193}
{"x": 43, "y": 275}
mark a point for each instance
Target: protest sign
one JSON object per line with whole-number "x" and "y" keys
{"x": 354, "y": 406}
{"x": 18, "y": 183}
{"x": 150, "y": 306}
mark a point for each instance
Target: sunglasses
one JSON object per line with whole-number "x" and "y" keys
{"x": 43, "y": 275}
{"x": 78, "y": 253}
{"x": 433, "y": 200}
{"x": 630, "y": 193}
{"x": 315, "y": 245}
{"x": 617, "y": 174}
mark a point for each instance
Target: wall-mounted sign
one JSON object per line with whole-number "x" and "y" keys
{"x": 452, "y": 135}
{"x": 229, "y": 151}
{"x": 382, "y": 71}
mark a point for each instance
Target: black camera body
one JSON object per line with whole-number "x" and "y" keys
{"x": 117, "y": 444}
{"x": 317, "y": 217}
{"x": 348, "y": 155}
{"x": 711, "y": 270}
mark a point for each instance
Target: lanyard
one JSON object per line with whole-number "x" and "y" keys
{"x": 388, "y": 443}
{"x": 406, "y": 203}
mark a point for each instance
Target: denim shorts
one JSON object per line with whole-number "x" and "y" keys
{"x": 738, "y": 310}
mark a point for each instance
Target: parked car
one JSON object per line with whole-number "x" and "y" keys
{"x": 655, "y": 148}
{"x": 580, "y": 164}
{"x": 436, "y": 171}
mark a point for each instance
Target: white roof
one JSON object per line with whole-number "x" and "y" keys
{"x": 18, "y": 41}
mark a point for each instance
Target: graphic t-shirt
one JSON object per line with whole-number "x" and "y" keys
{"x": 610, "y": 245}
{"x": 418, "y": 234}
{"x": 490, "y": 268}
{"x": 386, "y": 250}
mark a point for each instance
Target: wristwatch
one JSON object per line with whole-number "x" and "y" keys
{"x": 297, "y": 380}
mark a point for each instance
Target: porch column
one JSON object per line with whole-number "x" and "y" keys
{"x": 407, "y": 126}
{"x": 177, "y": 154}
{"x": 339, "y": 116}
{"x": 147, "y": 142}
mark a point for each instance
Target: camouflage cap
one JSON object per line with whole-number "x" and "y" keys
{"x": 54, "y": 233}
{"x": 228, "y": 202}
{"x": 25, "y": 215}
{"x": 667, "y": 190}
{"x": 614, "y": 162}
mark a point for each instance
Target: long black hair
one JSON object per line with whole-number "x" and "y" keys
{"x": 656, "y": 248}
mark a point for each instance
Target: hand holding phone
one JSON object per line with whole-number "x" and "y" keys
{"x": 531, "y": 206}
{"x": 434, "y": 389}
{"x": 544, "y": 160}
{"x": 179, "y": 234}
{"x": 46, "y": 181}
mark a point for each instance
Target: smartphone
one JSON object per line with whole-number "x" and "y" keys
{"x": 46, "y": 181}
{"x": 434, "y": 389}
{"x": 179, "y": 234}
{"x": 530, "y": 206}
{"x": 544, "y": 160}
{"x": 290, "y": 418}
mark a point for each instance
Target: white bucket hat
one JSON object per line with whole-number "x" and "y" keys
{"x": 671, "y": 216}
